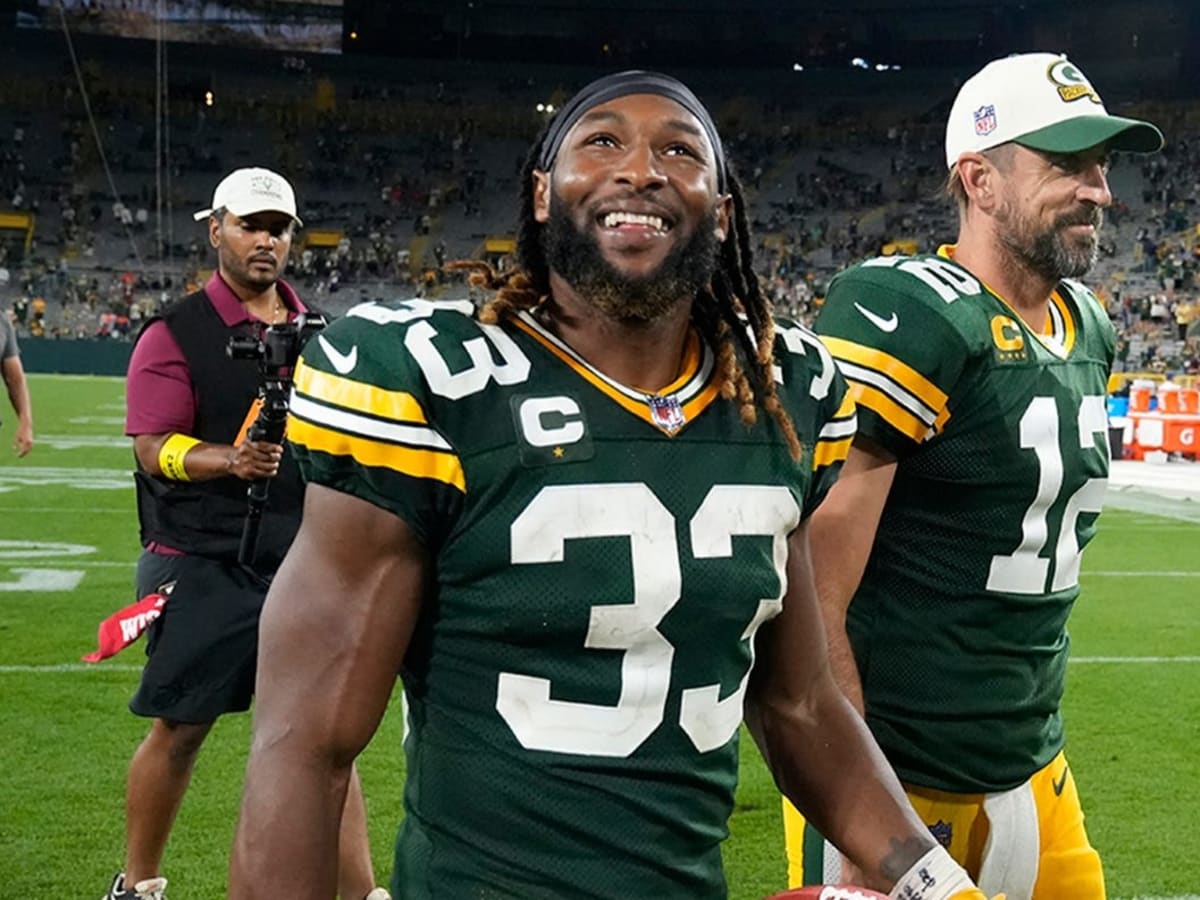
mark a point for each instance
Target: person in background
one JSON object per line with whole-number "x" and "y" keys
{"x": 189, "y": 407}
{"x": 17, "y": 387}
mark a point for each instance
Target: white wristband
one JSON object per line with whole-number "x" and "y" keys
{"x": 935, "y": 876}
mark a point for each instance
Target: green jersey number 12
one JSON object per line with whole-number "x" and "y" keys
{"x": 1025, "y": 571}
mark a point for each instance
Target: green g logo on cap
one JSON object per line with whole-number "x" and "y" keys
{"x": 1070, "y": 82}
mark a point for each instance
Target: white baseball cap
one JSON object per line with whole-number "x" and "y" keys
{"x": 245, "y": 192}
{"x": 1041, "y": 101}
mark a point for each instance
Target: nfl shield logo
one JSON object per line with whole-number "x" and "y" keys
{"x": 985, "y": 120}
{"x": 666, "y": 413}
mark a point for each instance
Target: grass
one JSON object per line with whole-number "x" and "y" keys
{"x": 1133, "y": 727}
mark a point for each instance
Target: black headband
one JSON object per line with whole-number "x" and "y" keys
{"x": 621, "y": 84}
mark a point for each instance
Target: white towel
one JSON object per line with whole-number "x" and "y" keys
{"x": 1010, "y": 856}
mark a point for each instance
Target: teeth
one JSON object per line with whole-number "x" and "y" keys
{"x": 613, "y": 219}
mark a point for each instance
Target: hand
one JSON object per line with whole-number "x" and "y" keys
{"x": 255, "y": 459}
{"x": 23, "y": 442}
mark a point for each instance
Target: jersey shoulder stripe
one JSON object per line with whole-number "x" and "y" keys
{"x": 370, "y": 425}
{"x": 836, "y": 435}
{"x": 892, "y": 388}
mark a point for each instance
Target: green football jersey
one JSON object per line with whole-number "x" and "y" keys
{"x": 603, "y": 558}
{"x": 959, "y": 624}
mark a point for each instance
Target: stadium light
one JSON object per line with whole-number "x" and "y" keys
{"x": 796, "y": 67}
{"x": 208, "y": 98}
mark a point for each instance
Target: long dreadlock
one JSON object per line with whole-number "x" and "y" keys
{"x": 721, "y": 312}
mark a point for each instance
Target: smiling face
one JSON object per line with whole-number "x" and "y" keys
{"x": 632, "y": 213}
{"x": 1051, "y": 211}
{"x": 252, "y": 251}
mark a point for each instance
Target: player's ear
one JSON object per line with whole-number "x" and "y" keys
{"x": 724, "y": 216}
{"x": 214, "y": 231}
{"x": 541, "y": 196}
{"x": 978, "y": 176}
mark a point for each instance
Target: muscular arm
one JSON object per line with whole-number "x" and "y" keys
{"x": 18, "y": 395}
{"x": 841, "y": 534}
{"x": 818, "y": 748}
{"x": 335, "y": 627}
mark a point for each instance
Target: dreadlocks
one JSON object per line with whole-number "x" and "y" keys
{"x": 731, "y": 313}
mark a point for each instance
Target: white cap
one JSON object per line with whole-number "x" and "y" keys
{"x": 245, "y": 192}
{"x": 1041, "y": 101}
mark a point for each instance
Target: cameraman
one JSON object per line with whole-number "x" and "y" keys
{"x": 189, "y": 406}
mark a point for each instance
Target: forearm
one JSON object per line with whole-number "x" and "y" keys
{"x": 287, "y": 840}
{"x": 182, "y": 457}
{"x": 841, "y": 656}
{"x": 18, "y": 396}
{"x": 18, "y": 391}
{"x": 841, "y": 539}
{"x": 825, "y": 761}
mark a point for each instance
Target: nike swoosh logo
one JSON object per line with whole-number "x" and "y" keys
{"x": 878, "y": 321}
{"x": 1061, "y": 782}
{"x": 343, "y": 362}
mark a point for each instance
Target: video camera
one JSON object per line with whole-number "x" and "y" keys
{"x": 277, "y": 348}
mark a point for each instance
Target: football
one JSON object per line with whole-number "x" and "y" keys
{"x": 829, "y": 892}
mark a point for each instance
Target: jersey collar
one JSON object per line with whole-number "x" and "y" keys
{"x": 1057, "y": 335}
{"x": 669, "y": 409}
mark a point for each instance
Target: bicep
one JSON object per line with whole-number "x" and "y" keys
{"x": 337, "y": 622}
{"x": 842, "y": 528}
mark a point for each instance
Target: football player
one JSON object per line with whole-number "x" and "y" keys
{"x": 573, "y": 521}
{"x": 947, "y": 556}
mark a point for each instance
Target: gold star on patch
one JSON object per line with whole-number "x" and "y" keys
{"x": 558, "y": 452}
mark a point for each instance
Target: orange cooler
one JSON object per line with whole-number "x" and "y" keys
{"x": 1139, "y": 399}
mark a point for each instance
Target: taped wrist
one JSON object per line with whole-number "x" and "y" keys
{"x": 935, "y": 876}
{"x": 172, "y": 454}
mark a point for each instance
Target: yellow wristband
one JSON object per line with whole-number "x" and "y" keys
{"x": 172, "y": 454}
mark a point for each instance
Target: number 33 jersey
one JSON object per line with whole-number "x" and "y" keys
{"x": 959, "y": 624}
{"x": 603, "y": 557}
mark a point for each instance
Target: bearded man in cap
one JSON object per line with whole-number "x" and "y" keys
{"x": 189, "y": 408}
{"x": 947, "y": 555}
{"x": 576, "y": 523}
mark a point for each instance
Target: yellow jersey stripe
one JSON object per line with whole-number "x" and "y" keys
{"x": 417, "y": 463}
{"x": 891, "y": 411}
{"x": 396, "y": 406}
{"x": 829, "y": 452}
{"x": 1067, "y": 338}
{"x": 891, "y": 367}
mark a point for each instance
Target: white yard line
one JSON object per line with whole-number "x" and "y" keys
{"x": 1089, "y": 660}
{"x": 1114, "y": 573}
{"x": 51, "y": 668}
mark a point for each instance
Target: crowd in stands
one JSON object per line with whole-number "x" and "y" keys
{"x": 395, "y": 181}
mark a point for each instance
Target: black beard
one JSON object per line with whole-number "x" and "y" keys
{"x": 576, "y": 256}
{"x": 1048, "y": 252}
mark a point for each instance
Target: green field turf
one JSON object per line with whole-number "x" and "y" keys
{"x": 68, "y": 530}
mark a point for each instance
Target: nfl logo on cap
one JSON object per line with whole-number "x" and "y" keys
{"x": 985, "y": 120}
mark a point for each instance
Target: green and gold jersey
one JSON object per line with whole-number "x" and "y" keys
{"x": 959, "y": 624}
{"x": 603, "y": 558}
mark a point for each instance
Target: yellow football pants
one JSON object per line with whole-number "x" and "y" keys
{"x": 1068, "y": 866}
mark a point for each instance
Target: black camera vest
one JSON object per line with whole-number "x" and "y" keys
{"x": 206, "y": 517}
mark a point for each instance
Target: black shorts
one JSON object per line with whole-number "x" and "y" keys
{"x": 202, "y": 649}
